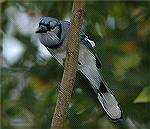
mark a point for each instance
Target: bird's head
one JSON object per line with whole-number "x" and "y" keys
{"x": 49, "y": 31}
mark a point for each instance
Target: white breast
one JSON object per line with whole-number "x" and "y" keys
{"x": 87, "y": 61}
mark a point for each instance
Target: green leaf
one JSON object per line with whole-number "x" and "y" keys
{"x": 144, "y": 96}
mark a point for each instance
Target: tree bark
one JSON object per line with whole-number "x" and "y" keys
{"x": 69, "y": 75}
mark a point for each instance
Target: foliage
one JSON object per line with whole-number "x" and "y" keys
{"x": 144, "y": 96}
{"x": 29, "y": 84}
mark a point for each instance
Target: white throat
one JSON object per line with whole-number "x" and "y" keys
{"x": 49, "y": 39}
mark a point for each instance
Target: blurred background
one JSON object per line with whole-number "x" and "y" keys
{"x": 30, "y": 77}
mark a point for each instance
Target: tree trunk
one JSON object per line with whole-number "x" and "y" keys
{"x": 70, "y": 68}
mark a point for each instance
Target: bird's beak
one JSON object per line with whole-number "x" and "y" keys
{"x": 41, "y": 29}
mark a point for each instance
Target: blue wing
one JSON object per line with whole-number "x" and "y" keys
{"x": 85, "y": 41}
{"x": 90, "y": 44}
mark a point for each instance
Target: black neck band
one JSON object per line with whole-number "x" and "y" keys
{"x": 59, "y": 36}
{"x": 60, "y": 30}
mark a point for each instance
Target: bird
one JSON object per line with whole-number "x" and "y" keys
{"x": 53, "y": 33}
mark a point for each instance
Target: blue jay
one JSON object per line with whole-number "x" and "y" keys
{"x": 52, "y": 33}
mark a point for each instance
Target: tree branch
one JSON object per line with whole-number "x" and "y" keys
{"x": 71, "y": 62}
